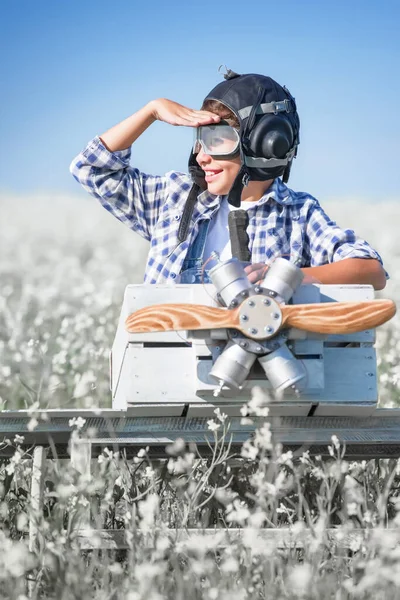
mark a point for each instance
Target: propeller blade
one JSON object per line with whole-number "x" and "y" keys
{"x": 177, "y": 317}
{"x": 338, "y": 317}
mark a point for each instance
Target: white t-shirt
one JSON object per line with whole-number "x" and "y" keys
{"x": 218, "y": 231}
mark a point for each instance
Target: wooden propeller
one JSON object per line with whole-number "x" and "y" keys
{"x": 327, "y": 318}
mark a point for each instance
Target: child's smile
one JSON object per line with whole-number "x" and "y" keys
{"x": 219, "y": 174}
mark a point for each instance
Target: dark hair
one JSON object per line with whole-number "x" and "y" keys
{"x": 223, "y": 111}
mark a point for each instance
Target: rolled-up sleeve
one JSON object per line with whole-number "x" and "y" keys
{"x": 328, "y": 243}
{"x": 135, "y": 198}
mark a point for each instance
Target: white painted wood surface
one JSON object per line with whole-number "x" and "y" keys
{"x": 173, "y": 367}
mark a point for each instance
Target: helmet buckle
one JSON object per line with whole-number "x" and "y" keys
{"x": 281, "y": 106}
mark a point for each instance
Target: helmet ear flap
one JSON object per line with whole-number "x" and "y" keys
{"x": 271, "y": 137}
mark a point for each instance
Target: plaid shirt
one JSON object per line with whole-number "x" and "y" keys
{"x": 282, "y": 222}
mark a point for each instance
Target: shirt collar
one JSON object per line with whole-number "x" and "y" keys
{"x": 277, "y": 191}
{"x": 280, "y": 193}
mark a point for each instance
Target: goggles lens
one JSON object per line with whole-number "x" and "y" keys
{"x": 216, "y": 140}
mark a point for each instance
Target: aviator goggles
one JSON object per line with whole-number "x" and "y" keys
{"x": 218, "y": 141}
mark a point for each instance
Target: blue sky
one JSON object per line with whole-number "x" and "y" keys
{"x": 70, "y": 70}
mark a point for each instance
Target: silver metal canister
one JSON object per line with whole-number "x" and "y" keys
{"x": 233, "y": 365}
{"x": 283, "y": 370}
{"x": 229, "y": 279}
{"x": 283, "y": 277}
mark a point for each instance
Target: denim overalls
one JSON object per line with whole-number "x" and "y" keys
{"x": 191, "y": 271}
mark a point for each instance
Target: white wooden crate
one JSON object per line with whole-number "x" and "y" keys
{"x": 172, "y": 369}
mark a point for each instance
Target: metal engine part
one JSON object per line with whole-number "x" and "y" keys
{"x": 261, "y": 315}
{"x": 257, "y": 347}
{"x": 283, "y": 369}
{"x": 230, "y": 280}
{"x": 283, "y": 277}
{"x": 233, "y": 365}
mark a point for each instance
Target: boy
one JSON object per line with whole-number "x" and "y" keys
{"x": 247, "y": 134}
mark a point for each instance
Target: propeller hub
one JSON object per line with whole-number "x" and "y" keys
{"x": 260, "y": 317}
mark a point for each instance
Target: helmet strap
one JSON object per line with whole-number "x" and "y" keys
{"x": 235, "y": 193}
{"x": 188, "y": 213}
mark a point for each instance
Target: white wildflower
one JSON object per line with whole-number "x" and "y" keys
{"x": 33, "y": 423}
{"x": 318, "y": 473}
{"x": 263, "y": 437}
{"x": 286, "y": 458}
{"x": 335, "y": 442}
{"x": 237, "y": 512}
{"x": 14, "y": 461}
{"x": 148, "y": 510}
{"x": 258, "y": 405}
{"x": 248, "y": 450}
{"x": 220, "y": 416}
{"x": 355, "y": 544}
{"x": 84, "y": 383}
{"x": 6, "y": 371}
{"x": 299, "y": 579}
{"x": 305, "y": 457}
{"x": 177, "y": 447}
{"x": 77, "y": 422}
{"x": 352, "y": 508}
{"x": 213, "y": 425}
{"x": 34, "y": 407}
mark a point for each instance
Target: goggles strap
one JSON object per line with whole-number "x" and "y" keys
{"x": 286, "y": 106}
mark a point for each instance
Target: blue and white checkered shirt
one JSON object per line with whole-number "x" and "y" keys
{"x": 282, "y": 223}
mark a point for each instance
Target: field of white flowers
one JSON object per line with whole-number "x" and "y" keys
{"x": 64, "y": 263}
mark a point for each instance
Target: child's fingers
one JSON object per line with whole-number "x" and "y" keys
{"x": 202, "y": 117}
{"x": 256, "y": 272}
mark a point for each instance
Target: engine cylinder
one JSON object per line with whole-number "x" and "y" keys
{"x": 283, "y": 369}
{"x": 233, "y": 365}
{"x": 229, "y": 279}
{"x": 283, "y": 277}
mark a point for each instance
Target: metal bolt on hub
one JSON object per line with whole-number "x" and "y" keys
{"x": 267, "y": 302}
{"x": 253, "y": 330}
{"x": 244, "y": 317}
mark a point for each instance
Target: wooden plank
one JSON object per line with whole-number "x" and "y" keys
{"x": 233, "y": 410}
{"x": 36, "y": 500}
{"x": 157, "y": 375}
{"x": 365, "y": 437}
{"x": 350, "y": 377}
{"x": 81, "y": 452}
{"x": 281, "y": 538}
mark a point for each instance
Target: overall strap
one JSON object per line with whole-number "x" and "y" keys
{"x": 196, "y": 250}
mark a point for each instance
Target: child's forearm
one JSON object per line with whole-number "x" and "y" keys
{"x": 349, "y": 270}
{"x": 124, "y": 134}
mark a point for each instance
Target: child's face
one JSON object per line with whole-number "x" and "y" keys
{"x": 219, "y": 174}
